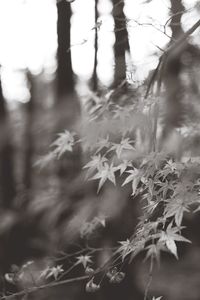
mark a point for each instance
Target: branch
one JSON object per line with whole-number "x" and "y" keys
{"x": 149, "y": 280}
{"x": 174, "y": 15}
{"x": 177, "y": 44}
{"x": 66, "y": 281}
{"x": 42, "y": 287}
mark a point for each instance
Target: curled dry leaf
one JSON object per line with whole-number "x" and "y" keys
{"x": 89, "y": 271}
{"x": 92, "y": 287}
{"x": 114, "y": 276}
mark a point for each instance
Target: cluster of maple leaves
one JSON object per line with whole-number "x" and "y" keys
{"x": 166, "y": 188}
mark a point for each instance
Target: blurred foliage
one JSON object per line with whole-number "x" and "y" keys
{"x": 119, "y": 184}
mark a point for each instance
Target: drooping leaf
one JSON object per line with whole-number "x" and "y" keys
{"x": 96, "y": 162}
{"x": 125, "y": 248}
{"x": 170, "y": 237}
{"x": 102, "y": 143}
{"x": 134, "y": 178}
{"x": 104, "y": 173}
{"x": 171, "y": 245}
{"x": 123, "y": 166}
{"x": 125, "y": 144}
{"x": 176, "y": 208}
{"x": 45, "y": 160}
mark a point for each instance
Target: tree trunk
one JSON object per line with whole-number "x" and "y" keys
{"x": 94, "y": 75}
{"x": 65, "y": 79}
{"x": 67, "y": 103}
{"x": 121, "y": 42}
{"x": 28, "y": 140}
{"x": 174, "y": 112}
{"x": 177, "y": 11}
{"x": 7, "y": 183}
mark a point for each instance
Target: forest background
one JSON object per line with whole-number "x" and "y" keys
{"x": 111, "y": 87}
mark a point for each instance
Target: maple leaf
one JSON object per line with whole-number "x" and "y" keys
{"x": 134, "y": 177}
{"x": 171, "y": 165}
{"x": 126, "y": 248}
{"x": 105, "y": 172}
{"x": 171, "y": 245}
{"x": 165, "y": 186}
{"x": 170, "y": 236}
{"x": 123, "y": 166}
{"x": 172, "y": 232}
{"x": 153, "y": 159}
{"x": 151, "y": 206}
{"x": 100, "y": 220}
{"x": 133, "y": 247}
{"x": 150, "y": 185}
{"x": 176, "y": 208}
{"x": 63, "y": 143}
{"x": 125, "y": 144}
{"x": 52, "y": 271}
{"x": 102, "y": 143}
{"x": 171, "y": 168}
{"x": 96, "y": 162}
{"x": 45, "y": 160}
{"x": 84, "y": 260}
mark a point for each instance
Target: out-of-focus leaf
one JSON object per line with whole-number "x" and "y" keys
{"x": 96, "y": 162}
{"x": 123, "y": 166}
{"x": 45, "y": 160}
{"x": 84, "y": 260}
{"x": 52, "y": 271}
{"x": 176, "y": 208}
{"x": 63, "y": 143}
{"x": 134, "y": 178}
{"x": 125, "y": 144}
{"x": 104, "y": 173}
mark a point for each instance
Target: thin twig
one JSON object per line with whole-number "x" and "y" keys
{"x": 45, "y": 286}
{"x": 149, "y": 279}
{"x": 58, "y": 283}
{"x": 174, "y": 15}
{"x": 178, "y": 43}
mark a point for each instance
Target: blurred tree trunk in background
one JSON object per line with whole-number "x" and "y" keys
{"x": 65, "y": 79}
{"x": 94, "y": 82}
{"x": 174, "y": 112}
{"x": 28, "y": 139}
{"x": 7, "y": 182}
{"x": 67, "y": 102}
{"x": 65, "y": 95}
{"x": 121, "y": 42}
{"x": 178, "y": 63}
